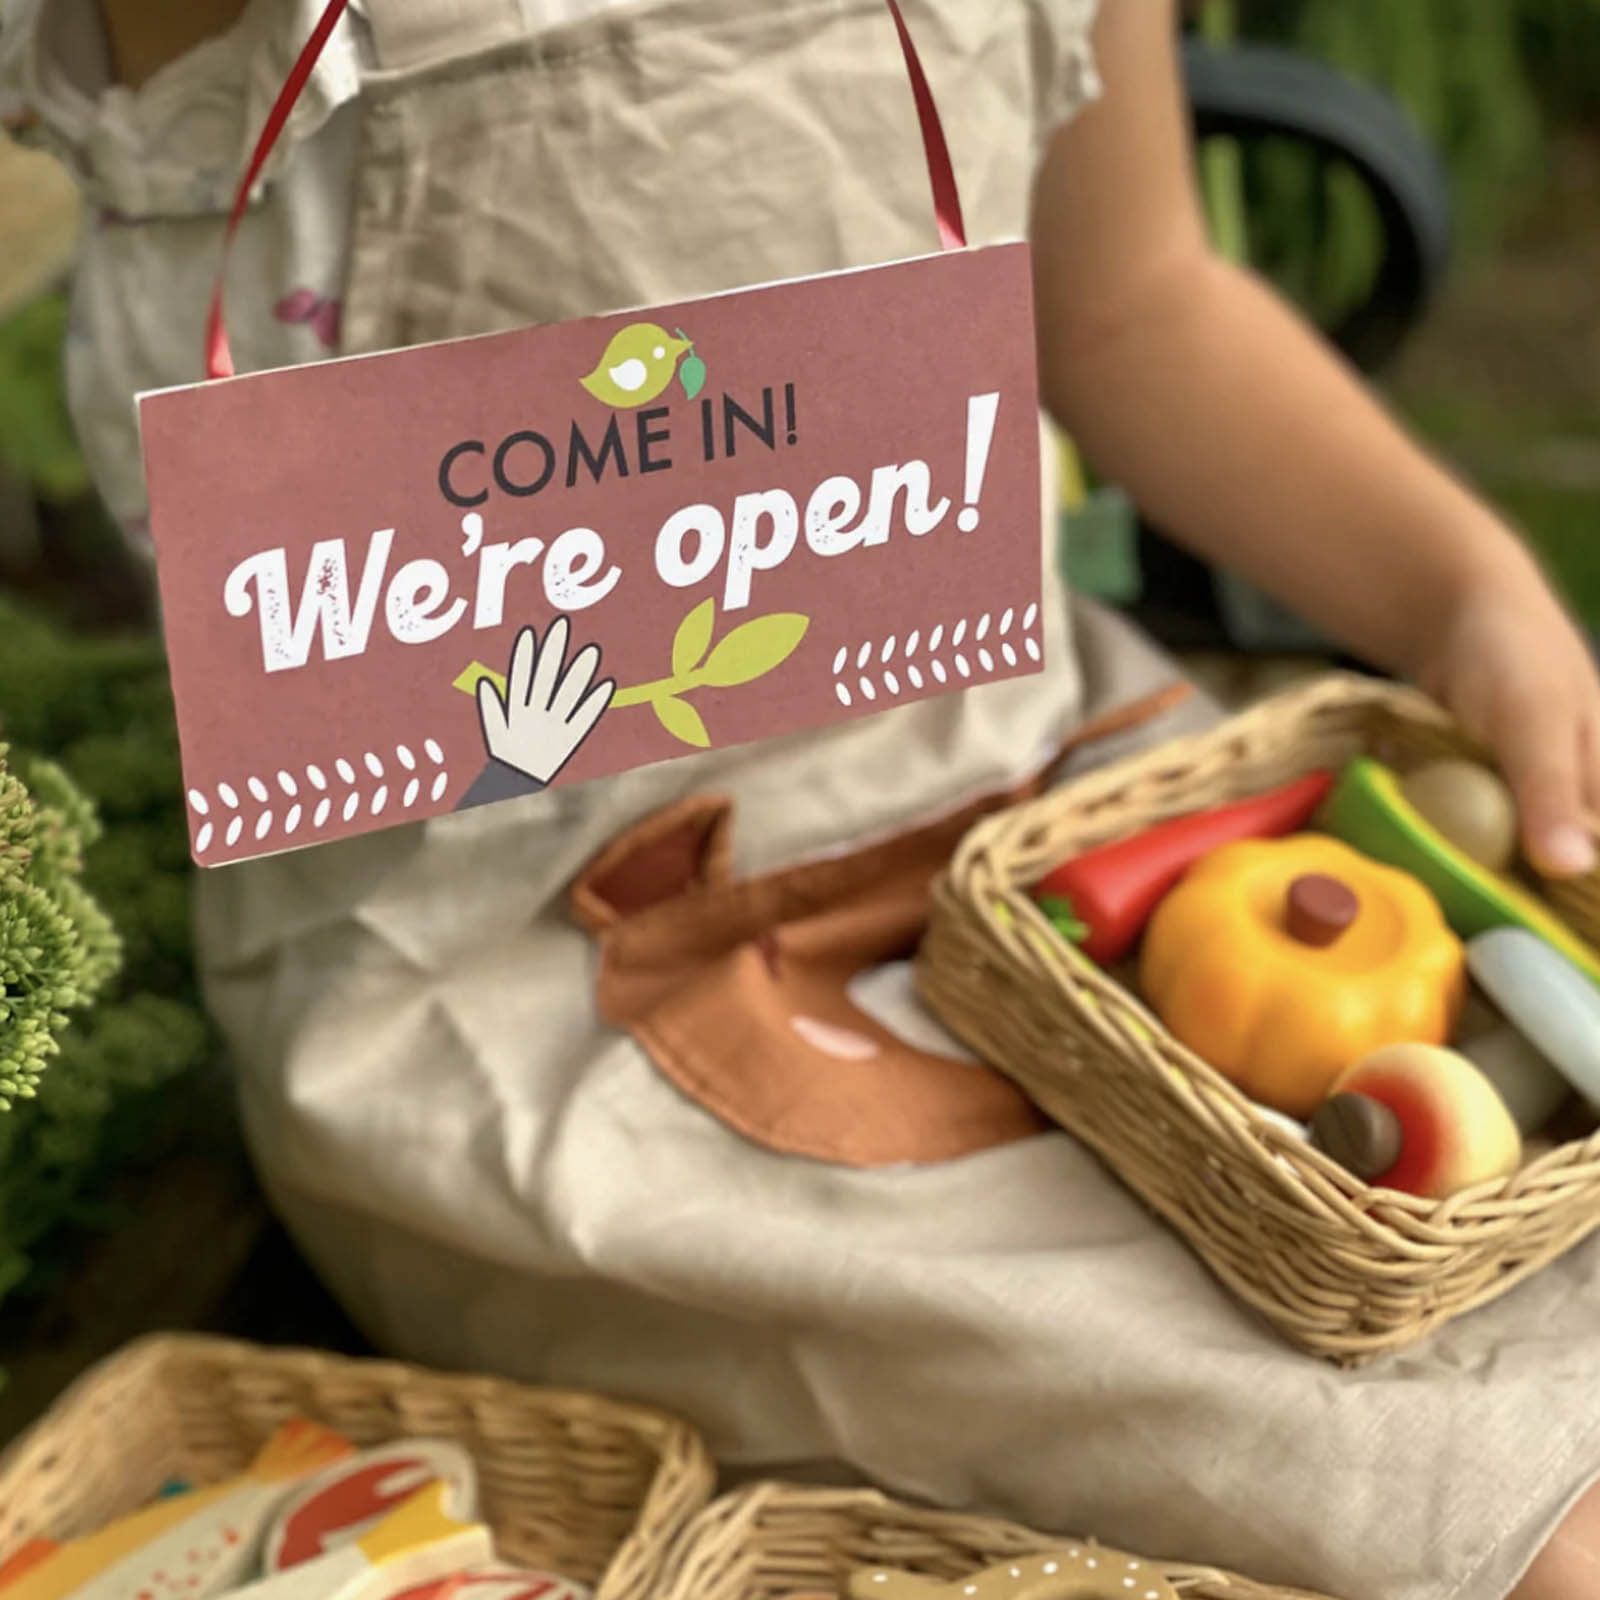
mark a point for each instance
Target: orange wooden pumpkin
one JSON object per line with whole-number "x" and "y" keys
{"x": 1283, "y": 962}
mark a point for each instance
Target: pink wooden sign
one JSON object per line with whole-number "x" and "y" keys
{"x": 404, "y": 584}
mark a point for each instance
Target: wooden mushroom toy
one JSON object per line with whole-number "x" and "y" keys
{"x": 1420, "y": 1119}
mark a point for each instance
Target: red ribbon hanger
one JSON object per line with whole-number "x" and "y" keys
{"x": 941, "y": 174}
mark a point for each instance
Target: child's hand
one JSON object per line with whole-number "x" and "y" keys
{"x": 1514, "y": 670}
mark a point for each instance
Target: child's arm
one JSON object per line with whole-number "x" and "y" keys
{"x": 1238, "y": 430}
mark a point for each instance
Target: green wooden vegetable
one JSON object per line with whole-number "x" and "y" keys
{"x": 1368, "y": 810}
{"x": 1470, "y": 806}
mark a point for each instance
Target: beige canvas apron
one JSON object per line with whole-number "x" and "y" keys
{"x": 493, "y": 1175}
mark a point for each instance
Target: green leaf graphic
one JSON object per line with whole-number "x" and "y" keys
{"x": 467, "y": 682}
{"x": 692, "y": 375}
{"x": 693, "y": 638}
{"x": 754, "y": 649}
{"x": 682, "y": 721}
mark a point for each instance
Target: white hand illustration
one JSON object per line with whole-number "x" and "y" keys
{"x": 549, "y": 708}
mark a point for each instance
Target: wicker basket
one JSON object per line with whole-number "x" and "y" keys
{"x": 569, "y": 1483}
{"x": 773, "y": 1540}
{"x": 1341, "y": 1269}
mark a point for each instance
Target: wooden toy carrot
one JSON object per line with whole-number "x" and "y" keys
{"x": 1110, "y": 892}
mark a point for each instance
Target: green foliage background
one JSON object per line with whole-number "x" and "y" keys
{"x": 102, "y": 710}
{"x": 1494, "y": 84}
{"x": 37, "y": 444}
{"x": 1486, "y": 81}
{"x": 1507, "y": 92}
{"x": 57, "y": 948}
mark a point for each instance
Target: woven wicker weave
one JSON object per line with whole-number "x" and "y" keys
{"x": 569, "y": 1483}
{"x": 773, "y": 1540}
{"x": 1342, "y": 1270}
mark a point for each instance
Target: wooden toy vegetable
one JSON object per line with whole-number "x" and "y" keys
{"x": 1419, "y": 1119}
{"x": 1546, "y": 999}
{"x": 1111, "y": 891}
{"x": 1517, "y": 1070}
{"x": 1282, "y": 962}
{"x": 1470, "y": 806}
{"x": 1368, "y": 810}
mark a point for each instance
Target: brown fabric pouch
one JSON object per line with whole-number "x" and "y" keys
{"x": 740, "y": 991}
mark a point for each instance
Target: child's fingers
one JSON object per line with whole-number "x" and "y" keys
{"x": 1544, "y": 753}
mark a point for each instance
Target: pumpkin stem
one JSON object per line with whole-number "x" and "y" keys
{"x": 1319, "y": 910}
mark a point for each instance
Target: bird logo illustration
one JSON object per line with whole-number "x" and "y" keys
{"x": 640, "y": 362}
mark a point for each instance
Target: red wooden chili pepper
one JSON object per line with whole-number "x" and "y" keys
{"x": 1113, "y": 890}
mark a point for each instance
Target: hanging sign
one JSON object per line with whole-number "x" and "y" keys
{"x": 405, "y": 584}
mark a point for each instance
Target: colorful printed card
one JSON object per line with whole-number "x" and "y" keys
{"x": 406, "y": 584}
{"x": 341, "y": 1504}
{"x": 183, "y": 1547}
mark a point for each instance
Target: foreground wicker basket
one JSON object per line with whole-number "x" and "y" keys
{"x": 569, "y": 1483}
{"x": 1342, "y": 1270}
{"x": 773, "y": 1540}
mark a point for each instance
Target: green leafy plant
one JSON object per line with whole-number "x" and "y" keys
{"x": 99, "y": 711}
{"x": 57, "y": 948}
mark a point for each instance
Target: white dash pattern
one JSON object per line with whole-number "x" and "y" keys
{"x": 261, "y": 820}
{"x": 862, "y": 671}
